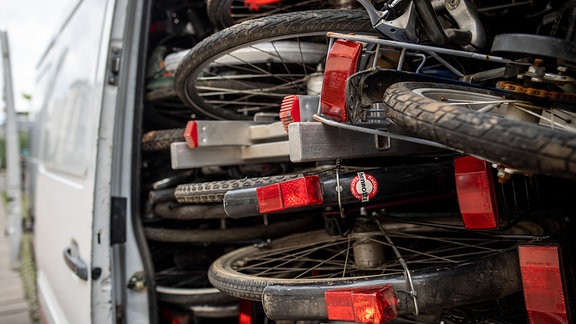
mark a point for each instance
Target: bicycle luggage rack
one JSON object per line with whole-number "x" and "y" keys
{"x": 223, "y": 142}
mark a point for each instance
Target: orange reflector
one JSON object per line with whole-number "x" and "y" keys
{"x": 290, "y": 110}
{"x": 372, "y": 305}
{"x": 475, "y": 190}
{"x": 300, "y": 192}
{"x": 340, "y": 64}
{"x": 542, "y": 283}
{"x": 191, "y": 134}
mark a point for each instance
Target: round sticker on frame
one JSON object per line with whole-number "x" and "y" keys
{"x": 364, "y": 186}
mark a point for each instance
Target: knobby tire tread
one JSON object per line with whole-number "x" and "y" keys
{"x": 160, "y": 140}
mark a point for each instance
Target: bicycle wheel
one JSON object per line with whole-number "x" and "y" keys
{"x": 206, "y": 232}
{"x": 175, "y": 211}
{"x": 225, "y": 13}
{"x": 160, "y": 140}
{"x": 250, "y": 67}
{"x": 181, "y": 274}
{"x": 211, "y": 192}
{"x": 487, "y": 124}
{"x": 316, "y": 259}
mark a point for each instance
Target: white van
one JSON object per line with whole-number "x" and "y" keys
{"x": 83, "y": 166}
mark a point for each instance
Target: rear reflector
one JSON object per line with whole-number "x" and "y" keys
{"x": 298, "y": 108}
{"x": 340, "y": 64}
{"x": 476, "y": 196}
{"x": 255, "y": 4}
{"x": 542, "y": 284}
{"x": 300, "y": 192}
{"x": 191, "y": 134}
{"x": 245, "y": 312}
{"x": 365, "y": 305}
{"x": 290, "y": 110}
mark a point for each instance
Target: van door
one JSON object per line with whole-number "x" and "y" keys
{"x": 74, "y": 170}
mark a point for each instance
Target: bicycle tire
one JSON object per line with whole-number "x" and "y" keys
{"x": 252, "y": 36}
{"x": 207, "y": 235}
{"x": 193, "y": 296}
{"x": 175, "y": 211}
{"x": 512, "y": 143}
{"x": 160, "y": 140}
{"x": 212, "y": 192}
{"x": 233, "y": 275}
{"x": 225, "y": 13}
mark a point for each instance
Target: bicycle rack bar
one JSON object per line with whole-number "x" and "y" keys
{"x": 223, "y": 142}
{"x": 423, "y": 48}
{"x": 337, "y": 143}
{"x": 227, "y": 132}
{"x": 185, "y": 158}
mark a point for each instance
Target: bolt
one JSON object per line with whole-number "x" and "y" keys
{"x": 452, "y": 4}
{"x": 137, "y": 282}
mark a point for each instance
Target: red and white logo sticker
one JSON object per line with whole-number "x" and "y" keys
{"x": 364, "y": 186}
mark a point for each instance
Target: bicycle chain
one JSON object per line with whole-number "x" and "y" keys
{"x": 540, "y": 93}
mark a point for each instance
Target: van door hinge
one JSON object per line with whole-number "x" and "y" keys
{"x": 114, "y": 65}
{"x": 118, "y": 220}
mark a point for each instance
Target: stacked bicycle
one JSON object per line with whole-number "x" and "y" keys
{"x": 427, "y": 146}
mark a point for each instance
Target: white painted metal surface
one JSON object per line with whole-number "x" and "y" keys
{"x": 13, "y": 167}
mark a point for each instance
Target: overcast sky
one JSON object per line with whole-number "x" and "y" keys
{"x": 30, "y": 25}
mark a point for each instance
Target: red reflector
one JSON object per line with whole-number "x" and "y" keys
{"x": 300, "y": 192}
{"x": 340, "y": 64}
{"x": 255, "y": 4}
{"x": 365, "y": 305}
{"x": 542, "y": 283}
{"x": 245, "y": 312}
{"x": 191, "y": 134}
{"x": 475, "y": 190}
{"x": 290, "y": 110}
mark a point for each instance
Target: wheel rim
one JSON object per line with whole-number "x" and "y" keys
{"x": 255, "y": 78}
{"x": 496, "y": 105}
{"x": 313, "y": 257}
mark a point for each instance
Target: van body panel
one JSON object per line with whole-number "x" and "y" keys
{"x": 71, "y": 216}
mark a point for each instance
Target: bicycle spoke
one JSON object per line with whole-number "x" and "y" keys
{"x": 334, "y": 258}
